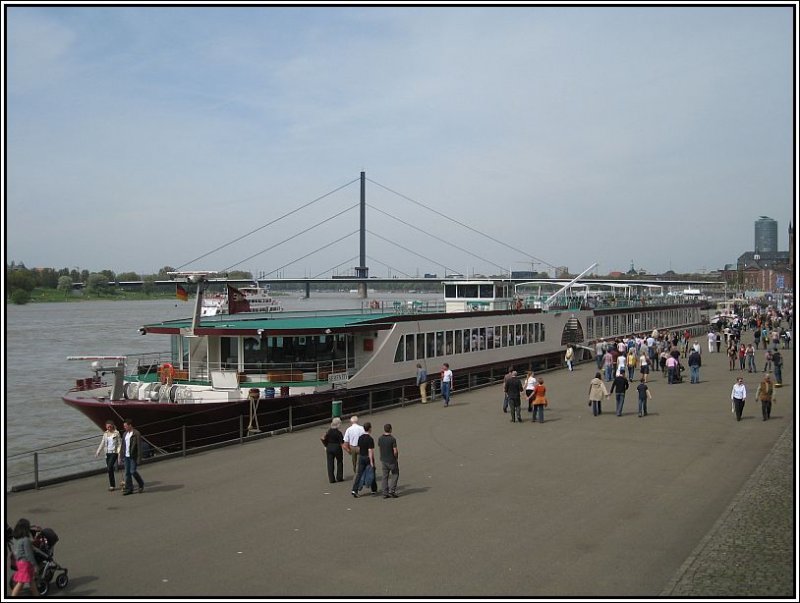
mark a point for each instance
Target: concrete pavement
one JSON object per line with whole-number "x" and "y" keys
{"x": 579, "y": 506}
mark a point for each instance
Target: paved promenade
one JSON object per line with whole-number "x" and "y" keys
{"x": 685, "y": 502}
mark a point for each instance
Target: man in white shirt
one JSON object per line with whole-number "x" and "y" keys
{"x": 351, "y": 436}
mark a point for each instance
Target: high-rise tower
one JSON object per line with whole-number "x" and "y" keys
{"x": 766, "y": 235}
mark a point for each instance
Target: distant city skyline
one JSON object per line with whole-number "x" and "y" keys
{"x": 143, "y": 136}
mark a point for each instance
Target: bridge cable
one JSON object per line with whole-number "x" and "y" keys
{"x": 236, "y": 240}
{"x": 461, "y": 224}
{"x": 292, "y": 236}
{"x": 438, "y": 238}
{"x": 390, "y": 267}
{"x": 447, "y": 269}
{"x": 352, "y": 259}
{"x": 312, "y": 252}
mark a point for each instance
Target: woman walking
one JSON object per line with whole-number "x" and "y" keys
{"x": 644, "y": 366}
{"x": 630, "y": 363}
{"x": 738, "y": 397}
{"x": 597, "y": 391}
{"x": 539, "y": 401}
{"x": 530, "y": 385}
{"x": 111, "y": 443}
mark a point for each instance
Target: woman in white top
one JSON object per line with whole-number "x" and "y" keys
{"x": 111, "y": 443}
{"x": 530, "y": 385}
{"x": 738, "y": 397}
{"x": 644, "y": 366}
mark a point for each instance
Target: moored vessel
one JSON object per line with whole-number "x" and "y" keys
{"x": 225, "y": 375}
{"x": 237, "y": 300}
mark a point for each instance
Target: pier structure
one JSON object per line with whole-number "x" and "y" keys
{"x": 684, "y": 502}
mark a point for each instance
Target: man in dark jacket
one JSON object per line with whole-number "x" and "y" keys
{"x": 619, "y": 387}
{"x": 131, "y": 454}
{"x": 694, "y": 361}
{"x": 513, "y": 390}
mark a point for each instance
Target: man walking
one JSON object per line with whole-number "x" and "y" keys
{"x": 695, "y": 362}
{"x": 387, "y": 444}
{"x": 618, "y": 387}
{"x": 505, "y": 388}
{"x": 513, "y": 392}
{"x": 422, "y": 378}
{"x": 777, "y": 365}
{"x": 366, "y": 460}
{"x": 131, "y": 456}
{"x": 350, "y": 444}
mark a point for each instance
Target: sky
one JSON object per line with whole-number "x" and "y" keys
{"x": 493, "y": 139}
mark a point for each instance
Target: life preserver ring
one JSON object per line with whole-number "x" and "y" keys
{"x": 374, "y": 304}
{"x": 167, "y": 373}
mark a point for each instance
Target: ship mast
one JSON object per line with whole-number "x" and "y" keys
{"x": 199, "y": 277}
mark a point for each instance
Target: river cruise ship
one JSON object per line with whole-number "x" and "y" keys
{"x": 228, "y": 375}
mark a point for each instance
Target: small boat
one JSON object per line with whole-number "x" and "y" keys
{"x": 272, "y": 371}
{"x": 246, "y": 299}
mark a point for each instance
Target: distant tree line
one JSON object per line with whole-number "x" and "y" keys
{"x": 21, "y": 281}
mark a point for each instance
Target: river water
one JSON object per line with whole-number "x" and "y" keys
{"x": 40, "y": 336}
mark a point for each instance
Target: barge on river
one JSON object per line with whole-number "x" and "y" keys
{"x": 226, "y": 375}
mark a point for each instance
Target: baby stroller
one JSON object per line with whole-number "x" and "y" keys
{"x": 679, "y": 373}
{"x": 44, "y": 542}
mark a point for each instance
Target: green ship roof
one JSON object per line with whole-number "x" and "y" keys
{"x": 272, "y": 323}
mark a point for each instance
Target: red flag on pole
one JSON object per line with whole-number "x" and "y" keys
{"x": 237, "y": 302}
{"x": 181, "y": 293}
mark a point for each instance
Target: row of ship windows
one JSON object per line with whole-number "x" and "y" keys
{"x": 637, "y": 322}
{"x": 418, "y": 346}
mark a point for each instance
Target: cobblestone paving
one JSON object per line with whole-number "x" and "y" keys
{"x": 750, "y": 551}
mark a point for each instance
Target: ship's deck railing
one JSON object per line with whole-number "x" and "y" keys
{"x": 146, "y": 367}
{"x": 575, "y": 303}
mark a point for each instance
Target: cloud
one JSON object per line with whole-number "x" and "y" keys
{"x": 573, "y": 133}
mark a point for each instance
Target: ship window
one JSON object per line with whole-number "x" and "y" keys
{"x": 482, "y": 338}
{"x": 486, "y": 291}
{"x": 410, "y": 347}
{"x": 541, "y": 331}
{"x": 465, "y": 339}
{"x": 399, "y": 353}
{"x": 489, "y": 338}
{"x": 525, "y": 333}
{"x": 229, "y": 352}
{"x": 458, "y": 340}
{"x": 450, "y": 291}
{"x": 468, "y": 290}
{"x": 448, "y": 342}
{"x": 430, "y": 350}
{"x": 503, "y": 336}
{"x": 440, "y": 343}
{"x": 420, "y": 346}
